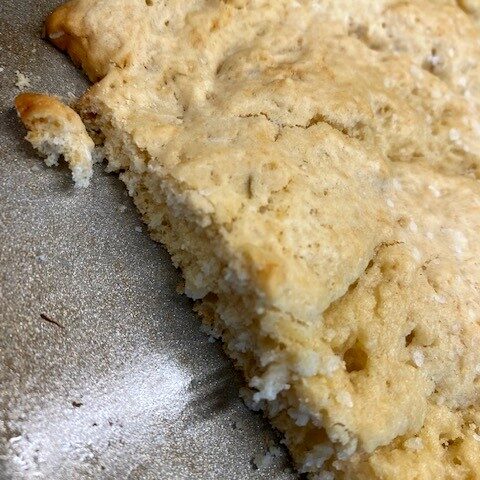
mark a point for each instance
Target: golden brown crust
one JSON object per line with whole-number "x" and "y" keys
{"x": 72, "y": 28}
{"x": 61, "y": 32}
{"x": 34, "y": 106}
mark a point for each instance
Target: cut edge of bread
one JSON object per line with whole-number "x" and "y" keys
{"x": 228, "y": 302}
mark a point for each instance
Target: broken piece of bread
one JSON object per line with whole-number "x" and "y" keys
{"x": 55, "y": 130}
{"x": 312, "y": 168}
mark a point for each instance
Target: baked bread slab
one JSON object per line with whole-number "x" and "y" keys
{"x": 312, "y": 168}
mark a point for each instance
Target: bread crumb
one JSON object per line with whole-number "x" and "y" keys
{"x": 15, "y": 439}
{"x": 418, "y": 357}
{"x": 460, "y": 242}
{"x": 454, "y": 135}
{"x": 247, "y": 396}
{"x": 433, "y": 60}
{"x": 55, "y": 35}
{"x": 213, "y": 335}
{"x": 439, "y": 298}
{"x": 413, "y": 226}
{"x": 56, "y": 131}
{"x": 344, "y": 398}
{"x": 316, "y": 457}
{"x": 414, "y": 444}
{"x": 329, "y": 334}
{"x": 435, "y": 192}
{"x": 265, "y": 460}
{"x": 23, "y": 81}
{"x": 416, "y": 254}
{"x": 462, "y": 82}
{"x": 300, "y": 415}
{"x": 396, "y": 184}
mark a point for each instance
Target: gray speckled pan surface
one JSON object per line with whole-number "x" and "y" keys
{"x": 126, "y": 386}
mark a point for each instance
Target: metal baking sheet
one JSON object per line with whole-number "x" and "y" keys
{"x": 104, "y": 372}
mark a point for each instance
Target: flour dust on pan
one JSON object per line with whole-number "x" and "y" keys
{"x": 144, "y": 399}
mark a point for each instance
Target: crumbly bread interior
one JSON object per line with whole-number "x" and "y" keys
{"x": 312, "y": 168}
{"x": 56, "y": 130}
{"x": 383, "y": 384}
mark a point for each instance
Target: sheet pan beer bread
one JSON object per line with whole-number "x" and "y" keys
{"x": 312, "y": 167}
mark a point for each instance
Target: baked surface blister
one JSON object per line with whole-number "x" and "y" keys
{"x": 312, "y": 167}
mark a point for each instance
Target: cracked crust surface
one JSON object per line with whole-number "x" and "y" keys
{"x": 312, "y": 167}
